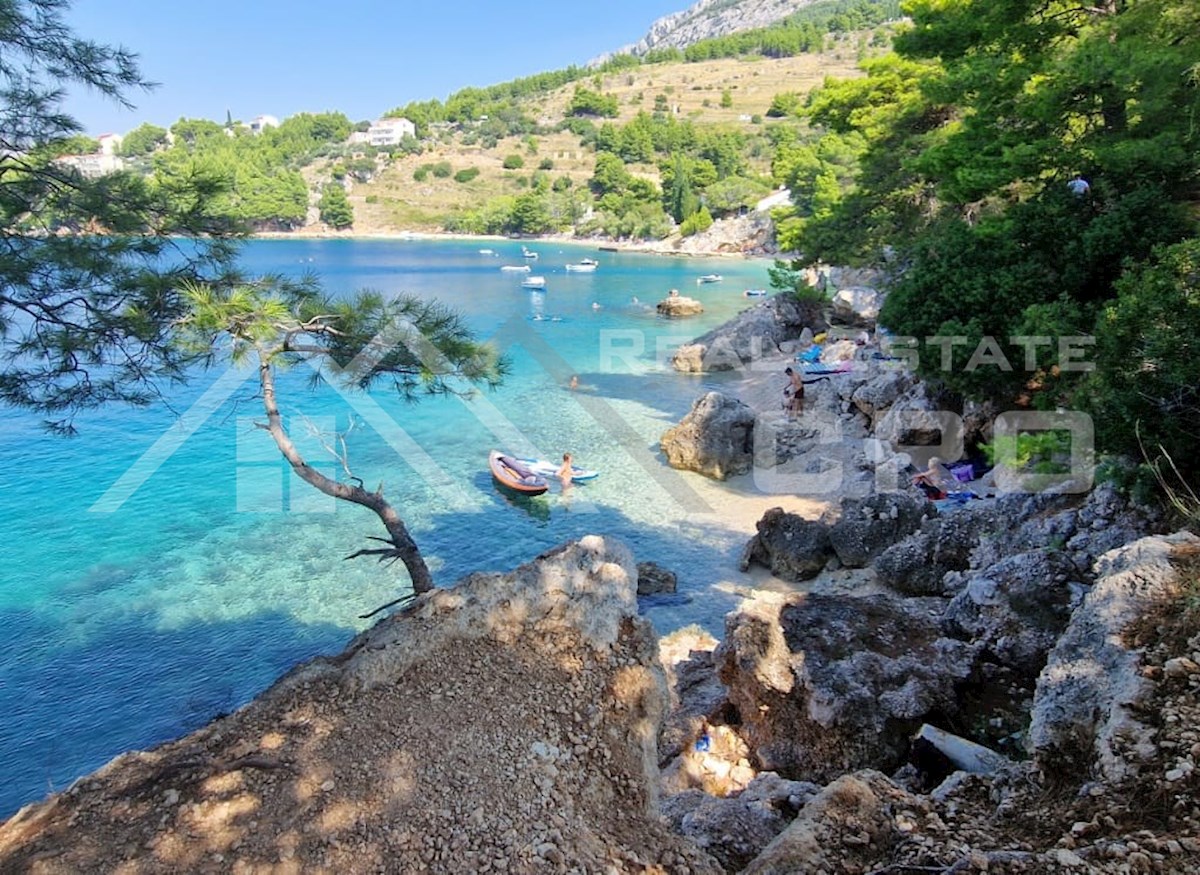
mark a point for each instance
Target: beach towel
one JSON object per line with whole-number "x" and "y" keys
{"x": 812, "y": 355}
{"x": 820, "y": 369}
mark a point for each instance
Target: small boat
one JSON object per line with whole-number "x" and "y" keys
{"x": 511, "y": 473}
{"x": 487, "y": 252}
{"x": 534, "y": 282}
{"x": 754, "y": 293}
{"x": 585, "y": 266}
{"x": 710, "y": 278}
{"x": 590, "y": 261}
{"x": 516, "y": 268}
{"x": 546, "y": 468}
{"x": 528, "y": 253}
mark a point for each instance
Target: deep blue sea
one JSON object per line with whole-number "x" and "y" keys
{"x": 164, "y": 566}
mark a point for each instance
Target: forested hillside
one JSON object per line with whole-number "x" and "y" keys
{"x": 1032, "y": 172}
{"x": 640, "y": 147}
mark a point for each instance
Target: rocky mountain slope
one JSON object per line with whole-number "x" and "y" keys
{"x": 712, "y": 18}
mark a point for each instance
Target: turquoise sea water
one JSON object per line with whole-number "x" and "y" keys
{"x": 160, "y": 571}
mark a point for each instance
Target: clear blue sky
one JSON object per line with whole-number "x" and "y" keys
{"x": 360, "y": 57}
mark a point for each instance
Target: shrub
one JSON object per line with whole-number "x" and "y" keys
{"x": 466, "y": 174}
{"x": 421, "y": 173}
{"x": 546, "y": 164}
{"x": 442, "y": 169}
{"x": 513, "y": 162}
{"x": 696, "y": 223}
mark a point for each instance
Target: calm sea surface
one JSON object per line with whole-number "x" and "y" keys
{"x": 164, "y": 566}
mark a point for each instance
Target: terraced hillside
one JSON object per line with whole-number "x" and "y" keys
{"x": 730, "y": 94}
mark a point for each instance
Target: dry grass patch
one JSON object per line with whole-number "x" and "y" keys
{"x": 752, "y": 84}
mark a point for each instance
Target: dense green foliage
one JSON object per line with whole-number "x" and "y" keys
{"x": 335, "y": 208}
{"x": 953, "y": 157}
{"x": 264, "y": 188}
{"x": 585, "y": 102}
{"x": 86, "y": 318}
{"x": 143, "y": 140}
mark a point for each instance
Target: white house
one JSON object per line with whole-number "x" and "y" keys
{"x": 94, "y": 165}
{"x": 261, "y": 122}
{"x": 109, "y": 143}
{"x": 390, "y": 131}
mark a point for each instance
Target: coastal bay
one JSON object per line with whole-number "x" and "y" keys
{"x": 196, "y": 573}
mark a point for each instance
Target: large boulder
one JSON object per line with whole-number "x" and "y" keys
{"x": 715, "y": 438}
{"x": 734, "y": 829}
{"x": 853, "y": 825}
{"x": 1086, "y": 706}
{"x": 652, "y": 579}
{"x": 754, "y": 332}
{"x": 918, "y": 564}
{"x": 789, "y": 545}
{"x": 880, "y": 391}
{"x": 1017, "y": 608}
{"x": 856, "y": 305}
{"x": 870, "y": 525}
{"x": 689, "y": 359}
{"x": 679, "y": 305}
{"x": 827, "y": 684}
{"x": 914, "y": 419}
{"x": 731, "y": 829}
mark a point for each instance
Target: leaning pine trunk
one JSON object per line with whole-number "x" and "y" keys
{"x": 403, "y": 547}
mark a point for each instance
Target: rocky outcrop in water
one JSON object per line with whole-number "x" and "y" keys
{"x": 756, "y": 331}
{"x": 716, "y": 438}
{"x": 675, "y": 306}
{"x": 791, "y": 546}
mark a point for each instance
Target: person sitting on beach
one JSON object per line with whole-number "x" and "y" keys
{"x": 935, "y": 481}
{"x": 794, "y": 391}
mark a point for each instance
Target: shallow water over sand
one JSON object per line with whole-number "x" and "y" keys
{"x": 157, "y": 575}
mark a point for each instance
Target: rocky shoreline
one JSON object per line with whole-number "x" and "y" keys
{"x": 1006, "y": 685}
{"x": 750, "y": 236}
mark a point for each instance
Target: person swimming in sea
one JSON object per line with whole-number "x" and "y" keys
{"x": 565, "y": 471}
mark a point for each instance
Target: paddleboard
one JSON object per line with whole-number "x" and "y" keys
{"x": 544, "y": 468}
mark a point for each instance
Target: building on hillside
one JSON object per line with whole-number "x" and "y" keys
{"x": 261, "y": 122}
{"x": 110, "y": 144}
{"x": 390, "y": 131}
{"x": 95, "y": 165}
{"x": 358, "y": 138}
